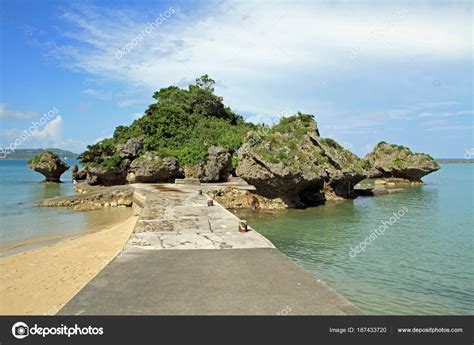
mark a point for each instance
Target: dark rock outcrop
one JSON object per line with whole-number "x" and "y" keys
{"x": 50, "y": 165}
{"x": 236, "y": 198}
{"x": 117, "y": 196}
{"x": 216, "y": 167}
{"x": 131, "y": 149}
{"x": 395, "y": 161}
{"x": 99, "y": 175}
{"x": 294, "y": 163}
{"x": 78, "y": 174}
{"x": 153, "y": 168}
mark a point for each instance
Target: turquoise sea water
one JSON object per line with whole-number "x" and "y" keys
{"x": 22, "y": 222}
{"x": 422, "y": 264}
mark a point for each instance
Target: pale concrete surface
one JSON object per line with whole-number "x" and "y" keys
{"x": 206, "y": 282}
{"x": 177, "y": 217}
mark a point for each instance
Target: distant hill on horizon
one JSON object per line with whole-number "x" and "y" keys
{"x": 455, "y": 160}
{"x": 27, "y": 154}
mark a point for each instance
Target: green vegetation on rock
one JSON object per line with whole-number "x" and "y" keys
{"x": 283, "y": 143}
{"x": 291, "y": 161}
{"x": 390, "y": 160}
{"x": 35, "y": 160}
{"x": 289, "y": 143}
{"x": 345, "y": 157}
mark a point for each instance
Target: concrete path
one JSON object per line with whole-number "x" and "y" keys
{"x": 177, "y": 217}
{"x": 224, "y": 272}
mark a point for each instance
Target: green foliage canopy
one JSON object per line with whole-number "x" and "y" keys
{"x": 181, "y": 123}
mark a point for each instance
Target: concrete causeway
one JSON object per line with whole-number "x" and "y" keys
{"x": 178, "y": 217}
{"x": 188, "y": 258}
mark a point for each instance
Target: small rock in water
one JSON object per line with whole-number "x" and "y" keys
{"x": 48, "y": 164}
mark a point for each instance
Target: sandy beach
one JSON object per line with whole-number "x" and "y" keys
{"x": 42, "y": 280}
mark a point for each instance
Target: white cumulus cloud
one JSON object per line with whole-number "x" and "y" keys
{"x": 15, "y": 114}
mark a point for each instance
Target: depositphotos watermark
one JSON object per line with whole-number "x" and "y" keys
{"x": 469, "y": 153}
{"x": 145, "y": 32}
{"x": 21, "y": 330}
{"x": 257, "y": 135}
{"x": 377, "y": 34}
{"x": 285, "y": 311}
{"x": 31, "y": 131}
{"x": 384, "y": 224}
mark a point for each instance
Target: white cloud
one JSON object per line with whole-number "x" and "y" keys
{"x": 102, "y": 138}
{"x": 451, "y": 128}
{"x": 446, "y": 113}
{"x": 122, "y": 103}
{"x": 273, "y": 46}
{"x": 103, "y": 95}
{"x": 51, "y": 131}
{"x": 446, "y": 125}
{"x": 411, "y": 111}
{"x": 48, "y": 136}
{"x": 15, "y": 114}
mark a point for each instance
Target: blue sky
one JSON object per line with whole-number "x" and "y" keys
{"x": 369, "y": 71}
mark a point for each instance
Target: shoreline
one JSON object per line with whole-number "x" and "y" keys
{"x": 33, "y": 243}
{"x": 41, "y": 281}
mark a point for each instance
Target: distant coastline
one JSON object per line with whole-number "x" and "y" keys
{"x": 454, "y": 160}
{"x": 27, "y": 154}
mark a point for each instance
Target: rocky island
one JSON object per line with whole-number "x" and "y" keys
{"x": 398, "y": 163}
{"x": 190, "y": 135}
{"x": 48, "y": 164}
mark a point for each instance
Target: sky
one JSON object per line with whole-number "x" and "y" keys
{"x": 396, "y": 71}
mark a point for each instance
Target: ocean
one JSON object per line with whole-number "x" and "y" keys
{"x": 421, "y": 263}
{"x": 24, "y": 225}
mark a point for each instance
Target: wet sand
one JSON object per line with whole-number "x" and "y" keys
{"x": 42, "y": 280}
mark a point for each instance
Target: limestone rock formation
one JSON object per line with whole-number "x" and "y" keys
{"x": 50, "y": 165}
{"x": 190, "y": 171}
{"x": 131, "y": 148}
{"x": 117, "y": 196}
{"x": 78, "y": 174}
{"x": 216, "y": 167}
{"x": 292, "y": 162}
{"x": 398, "y": 162}
{"x": 152, "y": 168}
{"x": 99, "y": 175}
{"x": 235, "y": 198}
